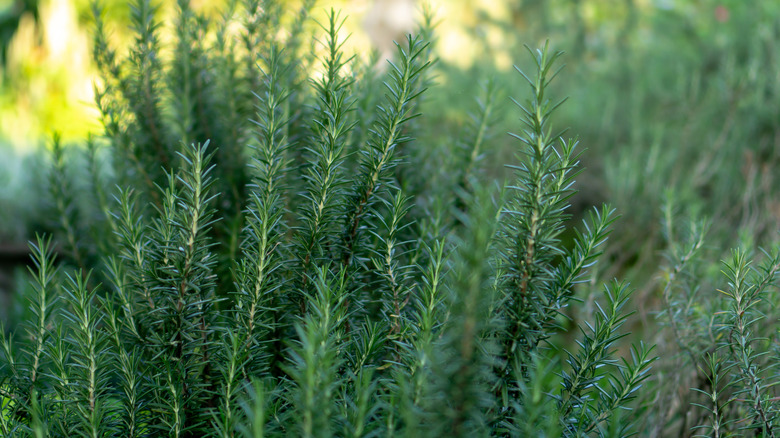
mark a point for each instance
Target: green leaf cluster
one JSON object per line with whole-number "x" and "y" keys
{"x": 262, "y": 258}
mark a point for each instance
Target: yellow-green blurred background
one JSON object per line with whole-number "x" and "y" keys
{"x": 48, "y": 78}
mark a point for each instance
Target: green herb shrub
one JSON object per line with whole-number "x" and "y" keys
{"x": 676, "y": 103}
{"x": 261, "y": 252}
{"x": 723, "y": 322}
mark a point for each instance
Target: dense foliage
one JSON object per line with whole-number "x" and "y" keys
{"x": 253, "y": 249}
{"x": 303, "y": 285}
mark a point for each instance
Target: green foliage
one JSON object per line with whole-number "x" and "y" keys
{"x": 270, "y": 263}
{"x": 724, "y": 324}
{"x": 678, "y": 115}
{"x": 273, "y": 238}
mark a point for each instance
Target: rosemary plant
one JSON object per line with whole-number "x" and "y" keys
{"x": 724, "y": 330}
{"x": 264, "y": 267}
